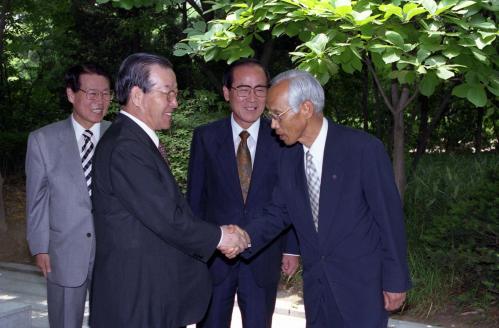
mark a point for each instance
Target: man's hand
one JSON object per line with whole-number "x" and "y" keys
{"x": 393, "y": 300}
{"x": 234, "y": 241}
{"x": 43, "y": 263}
{"x": 290, "y": 264}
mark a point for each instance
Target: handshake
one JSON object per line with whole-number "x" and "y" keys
{"x": 234, "y": 241}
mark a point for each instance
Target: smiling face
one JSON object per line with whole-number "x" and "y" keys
{"x": 88, "y": 112}
{"x": 246, "y": 110}
{"x": 155, "y": 107}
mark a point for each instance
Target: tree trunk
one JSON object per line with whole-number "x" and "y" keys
{"x": 3, "y": 222}
{"x": 479, "y": 129}
{"x": 365, "y": 100}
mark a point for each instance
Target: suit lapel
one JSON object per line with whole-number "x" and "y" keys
{"x": 260, "y": 165}
{"x": 227, "y": 159}
{"x": 68, "y": 149}
{"x": 330, "y": 184}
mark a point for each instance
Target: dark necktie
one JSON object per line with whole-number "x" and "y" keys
{"x": 87, "y": 151}
{"x": 162, "y": 151}
{"x": 244, "y": 163}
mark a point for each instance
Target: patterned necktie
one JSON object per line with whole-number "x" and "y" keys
{"x": 162, "y": 151}
{"x": 244, "y": 163}
{"x": 87, "y": 152}
{"x": 314, "y": 189}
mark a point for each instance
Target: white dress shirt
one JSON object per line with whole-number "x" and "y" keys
{"x": 150, "y": 132}
{"x": 78, "y": 129}
{"x": 252, "y": 139}
{"x": 317, "y": 148}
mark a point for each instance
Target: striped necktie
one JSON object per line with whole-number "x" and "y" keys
{"x": 244, "y": 166}
{"x": 314, "y": 189}
{"x": 87, "y": 152}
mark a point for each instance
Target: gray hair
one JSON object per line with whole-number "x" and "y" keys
{"x": 302, "y": 86}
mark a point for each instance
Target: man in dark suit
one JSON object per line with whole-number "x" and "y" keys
{"x": 218, "y": 193}
{"x": 150, "y": 268}
{"x": 336, "y": 187}
{"x": 60, "y": 228}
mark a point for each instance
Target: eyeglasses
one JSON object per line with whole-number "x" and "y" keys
{"x": 278, "y": 117}
{"x": 244, "y": 91}
{"x": 170, "y": 95}
{"x": 92, "y": 94}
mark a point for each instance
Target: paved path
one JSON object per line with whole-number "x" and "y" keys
{"x": 23, "y": 284}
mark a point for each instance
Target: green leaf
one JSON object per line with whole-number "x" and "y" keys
{"x": 476, "y": 95}
{"x": 444, "y": 73}
{"x": 428, "y": 84}
{"x": 390, "y": 57}
{"x": 460, "y": 90}
{"x": 394, "y": 38}
{"x": 429, "y": 5}
{"x": 451, "y": 52}
{"x": 318, "y": 43}
{"x": 423, "y": 54}
{"x": 435, "y": 61}
{"x": 480, "y": 55}
{"x": 362, "y": 15}
{"x": 391, "y": 9}
{"x": 414, "y": 12}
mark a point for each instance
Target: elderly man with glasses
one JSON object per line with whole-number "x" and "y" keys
{"x": 60, "y": 227}
{"x": 231, "y": 177}
{"x": 336, "y": 187}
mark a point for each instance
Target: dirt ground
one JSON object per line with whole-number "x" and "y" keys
{"x": 13, "y": 248}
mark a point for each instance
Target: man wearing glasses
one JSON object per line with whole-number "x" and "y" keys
{"x": 231, "y": 177}
{"x": 336, "y": 187}
{"x": 60, "y": 229}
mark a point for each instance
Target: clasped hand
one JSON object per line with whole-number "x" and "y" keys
{"x": 234, "y": 241}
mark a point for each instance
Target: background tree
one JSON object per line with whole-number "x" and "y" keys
{"x": 416, "y": 45}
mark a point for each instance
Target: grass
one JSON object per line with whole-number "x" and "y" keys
{"x": 441, "y": 183}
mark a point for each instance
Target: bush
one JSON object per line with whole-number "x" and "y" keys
{"x": 200, "y": 108}
{"x": 453, "y": 231}
{"x": 12, "y": 152}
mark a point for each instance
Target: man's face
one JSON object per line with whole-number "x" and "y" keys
{"x": 88, "y": 111}
{"x": 161, "y": 101}
{"x": 247, "y": 109}
{"x": 290, "y": 126}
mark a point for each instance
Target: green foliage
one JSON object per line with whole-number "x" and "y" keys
{"x": 423, "y": 43}
{"x": 453, "y": 227}
{"x": 12, "y": 152}
{"x": 195, "y": 108}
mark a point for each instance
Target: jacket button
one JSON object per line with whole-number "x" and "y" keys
{"x": 89, "y": 234}
{"x": 323, "y": 257}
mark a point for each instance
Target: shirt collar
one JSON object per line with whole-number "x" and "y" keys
{"x": 150, "y": 132}
{"x": 317, "y": 147}
{"x": 78, "y": 129}
{"x": 236, "y": 129}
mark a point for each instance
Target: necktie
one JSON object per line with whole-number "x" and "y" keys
{"x": 244, "y": 164}
{"x": 314, "y": 189}
{"x": 162, "y": 151}
{"x": 87, "y": 152}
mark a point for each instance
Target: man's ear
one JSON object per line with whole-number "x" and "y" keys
{"x": 307, "y": 109}
{"x": 226, "y": 93}
{"x": 136, "y": 96}
{"x": 71, "y": 95}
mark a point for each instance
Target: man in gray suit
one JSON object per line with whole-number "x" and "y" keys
{"x": 60, "y": 228}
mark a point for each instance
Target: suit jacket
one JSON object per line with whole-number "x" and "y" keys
{"x": 150, "y": 268}
{"x": 360, "y": 248}
{"x": 59, "y": 209}
{"x": 214, "y": 193}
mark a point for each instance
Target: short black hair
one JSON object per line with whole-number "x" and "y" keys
{"x": 72, "y": 77}
{"x": 134, "y": 71}
{"x": 228, "y": 77}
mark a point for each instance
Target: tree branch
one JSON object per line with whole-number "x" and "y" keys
{"x": 378, "y": 84}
